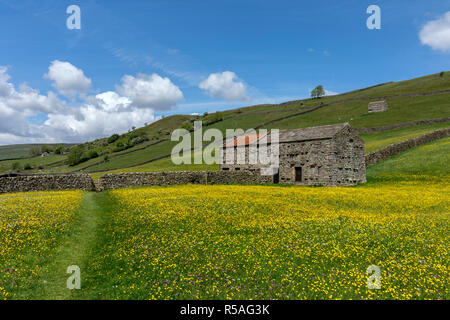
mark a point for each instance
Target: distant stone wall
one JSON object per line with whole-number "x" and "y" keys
{"x": 25, "y": 183}
{"x": 125, "y": 180}
{"x": 400, "y": 125}
{"x": 393, "y": 149}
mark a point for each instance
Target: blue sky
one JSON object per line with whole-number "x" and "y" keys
{"x": 273, "y": 50}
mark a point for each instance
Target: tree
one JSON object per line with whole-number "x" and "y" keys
{"x": 113, "y": 138}
{"x": 59, "y": 149}
{"x": 92, "y": 154}
{"x": 318, "y": 92}
{"x": 76, "y": 155}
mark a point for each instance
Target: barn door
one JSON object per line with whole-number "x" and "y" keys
{"x": 298, "y": 174}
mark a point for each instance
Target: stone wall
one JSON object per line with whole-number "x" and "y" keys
{"x": 24, "y": 183}
{"x": 400, "y": 125}
{"x": 349, "y": 153}
{"x": 125, "y": 180}
{"x": 314, "y": 161}
{"x": 237, "y": 177}
{"x": 396, "y": 148}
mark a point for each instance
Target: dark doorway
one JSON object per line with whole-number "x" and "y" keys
{"x": 298, "y": 174}
{"x": 276, "y": 177}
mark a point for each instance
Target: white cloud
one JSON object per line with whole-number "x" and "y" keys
{"x": 5, "y": 87}
{"x": 111, "y": 101}
{"x": 90, "y": 122}
{"x": 16, "y": 106}
{"x": 98, "y": 116}
{"x": 153, "y": 91}
{"x": 225, "y": 85}
{"x": 436, "y": 33}
{"x": 68, "y": 79}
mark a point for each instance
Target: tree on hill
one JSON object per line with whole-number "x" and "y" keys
{"x": 59, "y": 149}
{"x": 76, "y": 155}
{"x": 318, "y": 92}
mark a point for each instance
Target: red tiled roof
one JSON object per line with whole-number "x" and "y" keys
{"x": 244, "y": 140}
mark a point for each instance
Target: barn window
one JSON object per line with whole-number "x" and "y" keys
{"x": 298, "y": 174}
{"x": 225, "y": 169}
{"x": 237, "y": 169}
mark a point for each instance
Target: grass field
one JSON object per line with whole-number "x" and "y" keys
{"x": 237, "y": 242}
{"x": 34, "y": 162}
{"x": 428, "y": 162}
{"x": 376, "y": 141}
{"x": 15, "y": 151}
{"x": 20, "y": 150}
{"x": 32, "y": 229}
{"x": 272, "y": 243}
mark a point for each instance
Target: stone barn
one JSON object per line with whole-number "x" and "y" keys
{"x": 330, "y": 155}
{"x": 378, "y": 106}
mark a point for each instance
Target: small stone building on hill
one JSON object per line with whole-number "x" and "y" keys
{"x": 330, "y": 155}
{"x": 378, "y": 106}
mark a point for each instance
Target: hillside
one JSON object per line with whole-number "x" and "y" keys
{"x": 23, "y": 151}
{"x": 147, "y": 148}
{"x": 428, "y": 162}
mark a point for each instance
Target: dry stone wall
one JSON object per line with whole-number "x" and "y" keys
{"x": 242, "y": 177}
{"x": 25, "y": 183}
{"x": 393, "y": 149}
{"x": 125, "y": 180}
{"x": 400, "y": 125}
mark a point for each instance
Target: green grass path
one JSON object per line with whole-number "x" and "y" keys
{"x": 76, "y": 249}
